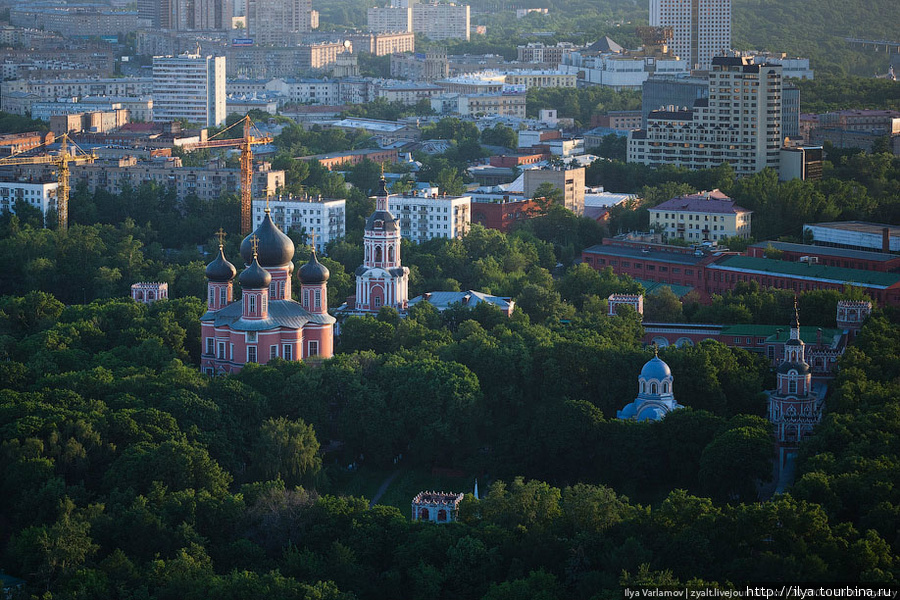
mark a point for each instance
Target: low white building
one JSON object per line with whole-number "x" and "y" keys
{"x": 39, "y": 195}
{"x": 425, "y": 216}
{"x": 323, "y": 219}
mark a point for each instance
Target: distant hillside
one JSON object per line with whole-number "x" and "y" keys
{"x": 817, "y": 28}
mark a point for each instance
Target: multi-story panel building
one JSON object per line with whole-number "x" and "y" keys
{"x": 436, "y": 21}
{"x": 207, "y": 183}
{"x": 13, "y": 143}
{"x": 740, "y": 123}
{"x": 430, "y": 66}
{"x": 441, "y": 21}
{"x": 569, "y": 181}
{"x": 40, "y": 195}
{"x": 408, "y": 93}
{"x": 426, "y": 216}
{"x": 190, "y": 87}
{"x": 539, "y": 53}
{"x": 701, "y": 28}
{"x": 322, "y": 219}
{"x": 85, "y": 20}
{"x": 698, "y": 217}
{"x": 279, "y": 22}
{"x": 389, "y": 19}
{"x": 48, "y": 90}
{"x": 383, "y": 43}
{"x": 541, "y": 79}
{"x": 790, "y": 112}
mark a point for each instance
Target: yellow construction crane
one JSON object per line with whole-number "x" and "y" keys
{"x": 245, "y": 143}
{"x": 61, "y": 162}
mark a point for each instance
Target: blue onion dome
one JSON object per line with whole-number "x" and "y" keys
{"x": 255, "y": 277}
{"x": 656, "y": 368}
{"x": 220, "y": 270}
{"x": 275, "y": 248}
{"x": 313, "y": 271}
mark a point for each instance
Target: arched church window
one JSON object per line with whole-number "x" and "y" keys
{"x": 423, "y": 514}
{"x": 792, "y": 386}
{"x": 251, "y": 304}
{"x": 442, "y": 515}
{"x": 665, "y": 387}
{"x": 643, "y": 387}
{"x": 378, "y": 254}
{"x": 653, "y": 388}
{"x": 139, "y": 296}
{"x": 391, "y": 253}
{"x": 150, "y": 296}
{"x": 223, "y": 296}
{"x": 368, "y": 252}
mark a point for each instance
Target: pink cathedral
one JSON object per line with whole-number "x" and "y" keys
{"x": 381, "y": 280}
{"x": 794, "y": 408}
{"x": 265, "y": 323}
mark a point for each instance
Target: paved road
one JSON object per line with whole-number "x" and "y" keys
{"x": 383, "y": 487}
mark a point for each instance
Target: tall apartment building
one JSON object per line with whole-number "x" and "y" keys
{"x": 190, "y": 87}
{"x": 385, "y": 19}
{"x": 40, "y": 195}
{"x": 441, "y": 21}
{"x": 187, "y": 15}
{"x": 426, "y": 216}
{"x": 701, "y": 28}
{"x": 740, "y": 122}
{"x": 323, "y": 219}
{"x": 279, "y": 22}
{"x": 569, "y": 181}
{"x": 436, "y": 21}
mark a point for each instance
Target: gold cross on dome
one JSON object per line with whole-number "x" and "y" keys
{"x": 221, "y": 235}
{"x": 312, "y": 238}
{"x": 254, "y": 243}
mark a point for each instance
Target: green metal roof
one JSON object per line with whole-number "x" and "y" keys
{"x": 808, "y": 333}
{"x": 651, "y": 287}
{"x": 811, "y": 271}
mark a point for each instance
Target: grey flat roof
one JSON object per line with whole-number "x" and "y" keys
{"x": 657, "y": 255}
{"x": 827, "y": 251}
{"x": 860, "y": 226}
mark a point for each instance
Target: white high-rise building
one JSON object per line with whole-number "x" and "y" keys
{"x": 740, "y": 122}
{"x": 190, "y": 87}
{"x": 701, "y": 28}
{"x": 322, "y": 219}
{"x": 436, "y": 21}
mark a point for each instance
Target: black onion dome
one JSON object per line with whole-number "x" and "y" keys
{"x": 786, "y": 367}
{"x": 381, "y": 220}
{"x": 275, "y": 248}
{"x": 382, "y": 187}
{"x": 313, "y": 271}
{"x": 220, "y": 269}
{"x": 255, "y": 277}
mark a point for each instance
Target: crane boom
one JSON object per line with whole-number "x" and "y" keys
{"x": 246, "y": 144}
{"x": 61, "y": 161}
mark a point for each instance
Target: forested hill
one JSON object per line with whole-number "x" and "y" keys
{"x": 817, "y": 29}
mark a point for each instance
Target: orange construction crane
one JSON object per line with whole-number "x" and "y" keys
{"x": 245, "y": 143}
{"x": 61, "y": 161}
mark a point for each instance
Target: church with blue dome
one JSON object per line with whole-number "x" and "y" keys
{"x": 656, "y": 398}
